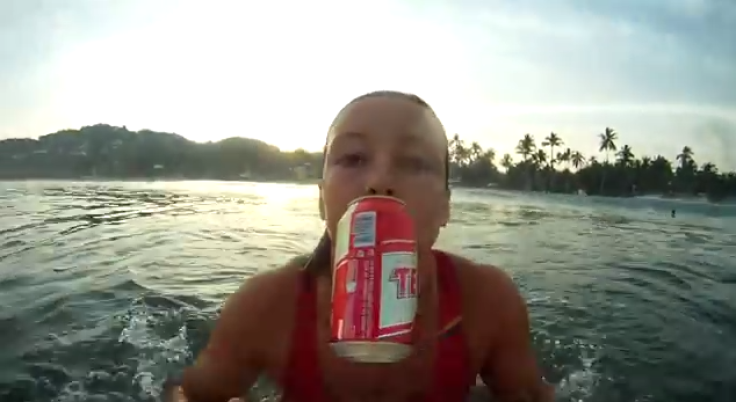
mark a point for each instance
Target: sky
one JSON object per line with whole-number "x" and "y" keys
{"x": 662, "y": 73}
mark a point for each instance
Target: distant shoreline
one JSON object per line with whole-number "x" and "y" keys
{"x": 115, "y": 154}
{"x": 153, "y": 180}
{"x": 455, "y": 185}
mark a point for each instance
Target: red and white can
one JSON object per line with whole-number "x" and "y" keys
{"x": 374, "y": 285}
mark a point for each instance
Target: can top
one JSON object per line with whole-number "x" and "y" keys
{"x": 377, "y": 197}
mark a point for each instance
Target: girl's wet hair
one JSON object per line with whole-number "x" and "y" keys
{"x": 320, "y": 260}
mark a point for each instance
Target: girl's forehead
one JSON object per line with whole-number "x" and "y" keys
{"x": 388, "y": 119}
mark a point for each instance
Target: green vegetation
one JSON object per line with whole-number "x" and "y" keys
{"x": 621, "y": 174}
{"x": 107, "y": 152}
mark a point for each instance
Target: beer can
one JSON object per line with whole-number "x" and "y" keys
{"x": 374, "y": 285}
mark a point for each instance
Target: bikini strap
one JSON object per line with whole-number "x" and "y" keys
{"x": 299, "y": 376}
{"x": 449, "y": 286}
{"x": 453, "y": 366}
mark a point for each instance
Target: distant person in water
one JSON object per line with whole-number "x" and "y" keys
{"x": 674, "y": 213}
{"x": 474, "y": 340}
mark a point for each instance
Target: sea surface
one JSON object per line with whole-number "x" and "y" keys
{"x": 108, "y": 288}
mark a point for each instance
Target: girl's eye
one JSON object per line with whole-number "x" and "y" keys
{"x": 416, "y": 163}
{"x": 352, "y": 160}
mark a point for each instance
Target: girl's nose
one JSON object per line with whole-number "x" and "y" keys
{"x": 382, "y": 191}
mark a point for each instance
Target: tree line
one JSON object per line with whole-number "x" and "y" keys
{"x": 550, "y": 166}
{"x": 109, "y": 152}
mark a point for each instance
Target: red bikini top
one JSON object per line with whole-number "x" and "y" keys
{"x": 452, "y": 377}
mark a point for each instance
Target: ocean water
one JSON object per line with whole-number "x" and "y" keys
{"x": 107, "y": 288}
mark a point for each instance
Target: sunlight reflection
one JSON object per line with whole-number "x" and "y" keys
{"x": 275, "y": 192}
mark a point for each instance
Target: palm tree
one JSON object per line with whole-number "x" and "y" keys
{"x": 552, "y": 141}
{"x": 686, "y": 157}
{"x": 627, "y": 174}
{"x": 526, "y": 146}
{"x": 507, "y": 162}
{"x": 608, "y": 141}
{"x": 489, "y": 154}
{"x": 625, "y": 156}
{"x": 565, "y": 156}
{"x": 608, "y": 138}
{"x": 687, "y": 169}
{"x": 577, "y": 159}
{"x": 475, "y": 151}
{"x": 455, "y": 140}
{"x": 539, "y": 157}
{"x": 625, "y": 159}
{"x": 459, "y": 153}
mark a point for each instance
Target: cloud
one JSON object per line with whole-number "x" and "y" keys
{"x": 662, "y": 72}
{"x": 603, "y": 52}
{"x": 659, "y": 72}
